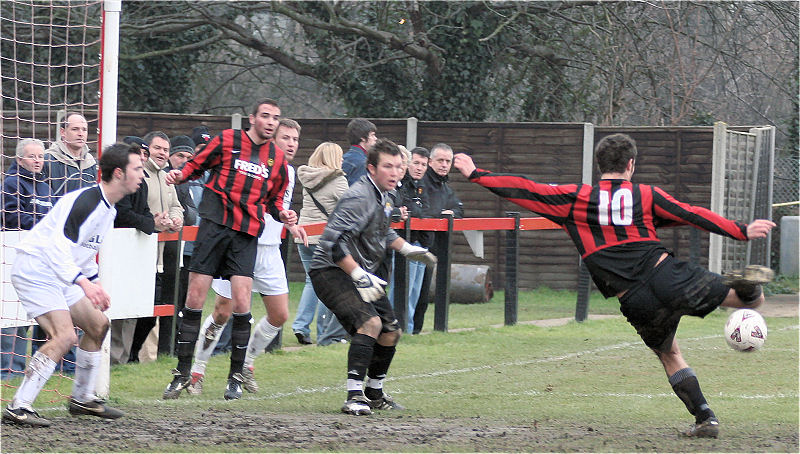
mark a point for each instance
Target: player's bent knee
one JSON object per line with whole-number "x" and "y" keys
{"x": 371, "y": 327}
{"x": 98, "y": 329}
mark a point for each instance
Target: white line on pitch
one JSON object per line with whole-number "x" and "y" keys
{"x": 339, "y": 387}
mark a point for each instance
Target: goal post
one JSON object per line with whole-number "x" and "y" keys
{"x": 50, "y": 64}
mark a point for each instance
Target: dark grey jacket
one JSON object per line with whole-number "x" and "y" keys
{"x": 358, "y": 226}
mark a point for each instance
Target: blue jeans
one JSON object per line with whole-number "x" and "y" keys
{"x": 13, "y": 350}
{"x": 416, "y": 272}
{"x": 329, "y": 330}
{"x": 309, "y": 302}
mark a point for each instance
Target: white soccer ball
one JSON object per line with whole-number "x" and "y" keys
{"x": 745, "y": 330}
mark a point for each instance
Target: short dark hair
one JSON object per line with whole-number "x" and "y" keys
{"x": 422, "y": 151}
{"x": 384, "y": 146}
{"x": 116, "y": 156}
{"x": 148, "y": 139}
{"x": 261, "y": 102}
{"x": 358, "y": 129}
{"x": 613, "y": 152}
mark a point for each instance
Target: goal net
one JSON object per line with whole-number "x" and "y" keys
{"x": 50, "y": 54}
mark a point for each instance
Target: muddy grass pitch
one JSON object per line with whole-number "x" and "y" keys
{"x": 220, "y": 430}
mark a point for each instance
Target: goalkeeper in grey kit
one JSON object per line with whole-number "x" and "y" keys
{"x": 350, "y": 253}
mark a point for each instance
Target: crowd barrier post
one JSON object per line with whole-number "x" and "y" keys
{"x": 584, "y": 288}
{"x": 175, "y": 293}
{"x": 444, "y": 246}
{"x": 512, "y": 266}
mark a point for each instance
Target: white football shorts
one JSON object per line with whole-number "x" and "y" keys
{"x": 269, "y": 274}
{"x": 39, "y": 290}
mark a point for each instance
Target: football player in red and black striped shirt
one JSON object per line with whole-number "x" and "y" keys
{"x": 613, "y": 225}
{"x": 248, "y": 176}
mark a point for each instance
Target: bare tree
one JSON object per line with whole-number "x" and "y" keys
{"x": 661, "y": 63}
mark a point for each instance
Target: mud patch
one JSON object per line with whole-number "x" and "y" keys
{"x": 220, "y": 430}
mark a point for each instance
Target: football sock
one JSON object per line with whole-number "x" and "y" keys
{"x": 187, "y": 338}
{"x": 262, "y": 335}
{"x": 378, "y": 367}
{"x": 358, "y": 359}
{"x": 86, "y": 367}
{"x": 684, "y": 383}
{"x": 240, "y": 335}
{"x": 39, "y": 370}
{"x": 204, "y": 346}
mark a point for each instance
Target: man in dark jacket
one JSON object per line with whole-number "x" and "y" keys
{"x": 26, "y": 198}
{"x": 132, "y": 212}
{"x": 442, "y": 201}
{"x": 415, "y": 198}
{"x": 181, "y": 150}
{"x": 361, "y": 134}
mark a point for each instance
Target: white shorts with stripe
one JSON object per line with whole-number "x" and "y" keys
{"x": 269, "y": 274}
{"x": 39, "y": 290}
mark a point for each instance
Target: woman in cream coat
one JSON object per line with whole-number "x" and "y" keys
{"x": 323, "y": 182}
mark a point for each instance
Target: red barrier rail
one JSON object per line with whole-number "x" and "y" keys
{"x": 512, "y": 225}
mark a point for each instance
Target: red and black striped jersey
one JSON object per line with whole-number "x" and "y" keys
{"x": 613, "y": 223}
{"x": 246, "y": 180}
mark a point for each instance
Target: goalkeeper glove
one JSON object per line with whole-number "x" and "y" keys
{"x": 418, "y": 254}
{"x": 369, "y": 286}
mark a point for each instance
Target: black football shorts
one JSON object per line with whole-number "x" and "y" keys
{"x": 670, "y": 291}
{"x": 338, "y": 293}
{"x": 220, "y": 251}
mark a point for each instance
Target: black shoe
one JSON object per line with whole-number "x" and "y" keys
{"x": 385, "y": 402}
{"x": 234, "y": 389}
{"x": 357, "y": 405}
{"x": 302, "y": 338}
{"x": 25, "y": 417}
{"x": 706, "y": 429}
{"x": 179, "y": 383}
{"x": 96, "y": 407}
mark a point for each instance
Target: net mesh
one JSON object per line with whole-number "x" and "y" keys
{"x": 49, "y": 65}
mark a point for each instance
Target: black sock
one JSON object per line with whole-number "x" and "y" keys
{"x": 240, "y": 336}
{"x": 187, "y": 337}
{"x": 358, "y": 359}
{"x": 378, "y": 367}
{"x": 685, "y": 384}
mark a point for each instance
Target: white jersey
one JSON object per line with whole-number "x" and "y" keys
{"x": 272, "y": 228}
{"x": 68, "y": 237}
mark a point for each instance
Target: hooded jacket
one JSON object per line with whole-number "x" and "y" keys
{"x": 26, "y": 198}
{"x": 327, "y": 186}
{"x": 67, "y": 173}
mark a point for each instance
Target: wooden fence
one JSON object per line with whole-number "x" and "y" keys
{"x": 678, "y": 159}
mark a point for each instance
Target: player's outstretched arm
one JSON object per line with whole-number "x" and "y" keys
{"x": 759, "y": 229}
{"x": 464, "y": 164}
{"x": 174, "y": 176}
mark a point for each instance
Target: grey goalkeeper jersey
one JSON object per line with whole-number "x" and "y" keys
{"x": 359, "y": 226}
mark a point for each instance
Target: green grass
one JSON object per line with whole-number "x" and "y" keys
{"x": 593, "y": 373}
{"x": 782, "y": 285}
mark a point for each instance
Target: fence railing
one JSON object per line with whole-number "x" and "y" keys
{"x": 443, "y": 232}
